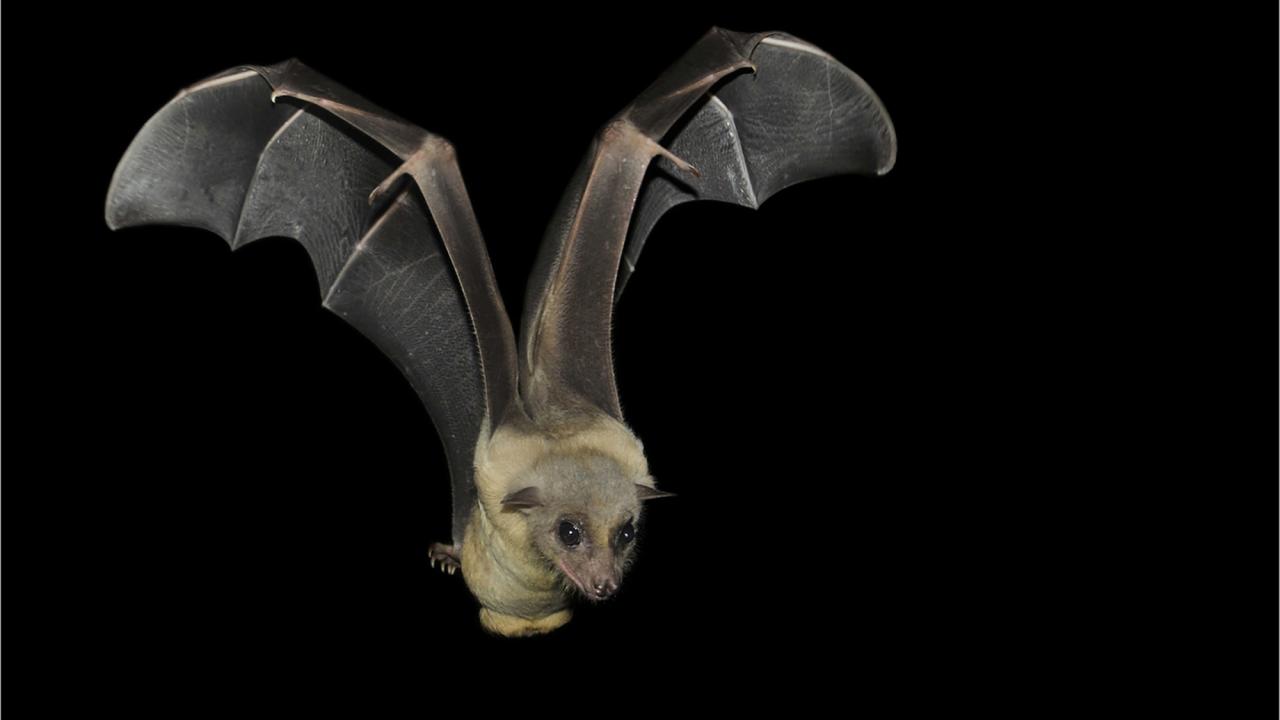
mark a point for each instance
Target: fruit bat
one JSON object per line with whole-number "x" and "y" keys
{"x": 548, "y": 481}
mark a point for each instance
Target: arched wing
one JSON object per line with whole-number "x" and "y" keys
{"x": 283, "y": 151}
{"x": 736, "y": 119}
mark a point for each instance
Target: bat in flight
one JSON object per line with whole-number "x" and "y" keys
{"x": 549, "y": 483}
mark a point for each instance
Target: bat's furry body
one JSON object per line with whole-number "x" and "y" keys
{"x": 548, "y": 481}
{"x": 522, "y": 591}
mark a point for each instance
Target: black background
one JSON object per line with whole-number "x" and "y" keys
{"x": 861, "y": 392}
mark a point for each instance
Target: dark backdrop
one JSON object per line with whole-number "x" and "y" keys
{"x": 223, "y": 489}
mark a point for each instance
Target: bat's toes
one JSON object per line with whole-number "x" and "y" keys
{"x": 446, "y": 557}
{"x": 446, "y": 565}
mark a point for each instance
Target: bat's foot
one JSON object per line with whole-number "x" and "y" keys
{"x": 447, "y": 557}
{"x": 514, "y": 626}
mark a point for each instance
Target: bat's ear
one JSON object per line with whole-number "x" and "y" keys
{"x": 644, "y": 492}
{"x": 522, "y": 499}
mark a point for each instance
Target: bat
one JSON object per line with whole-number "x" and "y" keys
{"x": 548, "y": 482}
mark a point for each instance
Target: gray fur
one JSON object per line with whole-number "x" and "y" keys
{"x": 594, "y": 492}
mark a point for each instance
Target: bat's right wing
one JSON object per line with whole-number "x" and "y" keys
{"x": 736, "y": 119}
{"x": 403, "y": 262}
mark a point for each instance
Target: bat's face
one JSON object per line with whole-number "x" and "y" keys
{"x": 591, "y": 553}
{"x": 586, "y": 521}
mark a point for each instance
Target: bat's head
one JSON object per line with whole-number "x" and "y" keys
{"x": 583, "y": 511}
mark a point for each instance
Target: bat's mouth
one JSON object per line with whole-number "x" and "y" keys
{"x": 581, "y": 587}
{"x": 572, "y": 578}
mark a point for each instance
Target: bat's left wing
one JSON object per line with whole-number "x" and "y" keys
{"x": 736, "y": 119}
{"x": 403, "y": 263}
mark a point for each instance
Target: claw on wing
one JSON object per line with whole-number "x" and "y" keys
{"x": 679, "y": 162}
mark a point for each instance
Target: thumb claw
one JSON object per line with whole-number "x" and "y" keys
{"x": 383, "y": 187}
{"x": 678, "y": 161}
{"x": 684, "y": 165}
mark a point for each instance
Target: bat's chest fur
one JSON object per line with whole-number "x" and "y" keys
{"x": 520, "y": 593}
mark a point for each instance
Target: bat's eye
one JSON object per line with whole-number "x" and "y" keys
{"x": 626, "y": 534}
{"x": 570, "y": 534}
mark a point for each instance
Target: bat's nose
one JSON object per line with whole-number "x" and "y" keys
{"x": 604, "y": 588}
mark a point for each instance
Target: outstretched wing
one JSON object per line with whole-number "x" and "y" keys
{"x": 736, "y": 119}
{"x": 403, "y": 262}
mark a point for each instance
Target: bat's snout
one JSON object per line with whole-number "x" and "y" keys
{"x": 603, "y": 588}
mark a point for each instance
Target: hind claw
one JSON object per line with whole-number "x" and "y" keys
{"x": 449, "y": 557}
